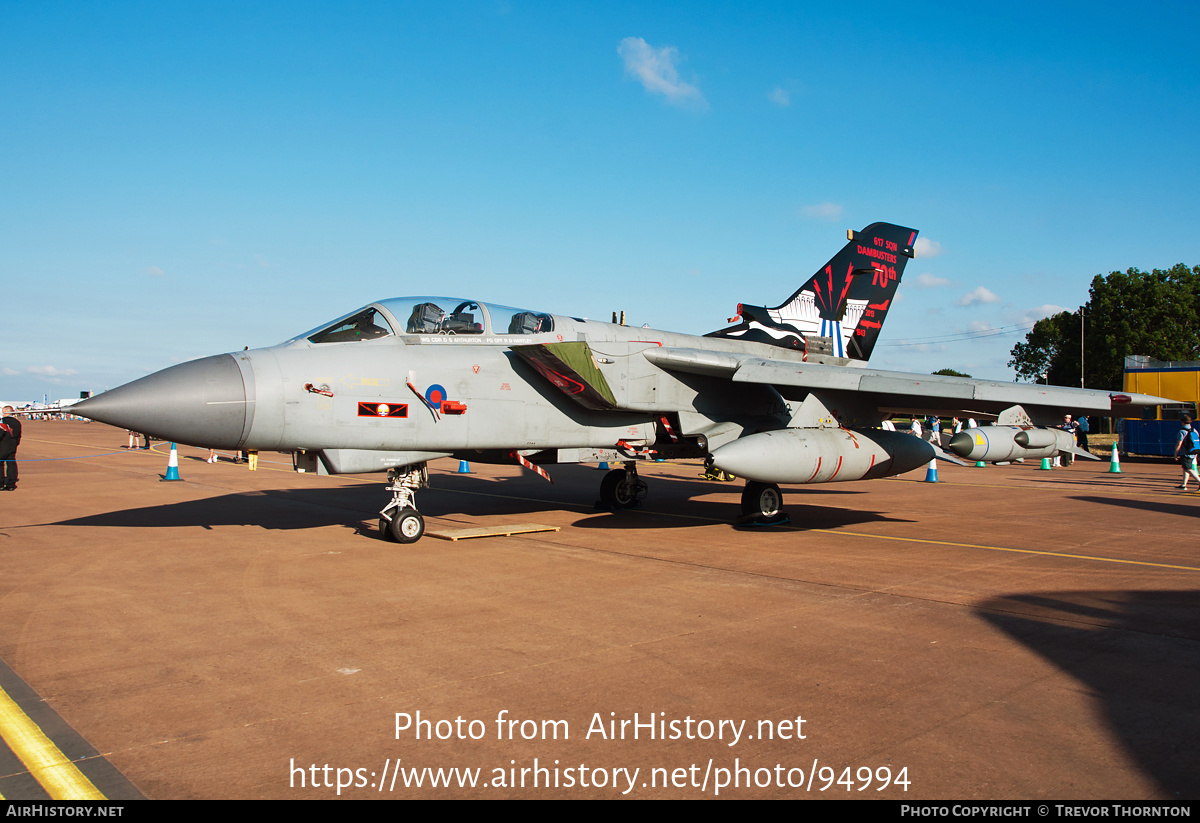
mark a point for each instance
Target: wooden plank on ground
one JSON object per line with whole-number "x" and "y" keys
{"x": 490, "y": 531}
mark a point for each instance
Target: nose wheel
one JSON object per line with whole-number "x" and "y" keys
{"x": 406, "y": 526}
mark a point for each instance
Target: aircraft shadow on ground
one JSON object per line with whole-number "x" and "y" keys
{"x": 800, "y": 518}
{"x": 672, "y": 502}
{"x": 276, "y": 509}
{"x": 1157, "y": 506}
{"x": 1117, "y": 481}
{"x": 465, "y": 494}
{"x": 1137, "y": 653}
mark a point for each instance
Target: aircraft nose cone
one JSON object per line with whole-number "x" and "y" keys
{"x": 201, "y": 403}
{"x": 961, "y": 444}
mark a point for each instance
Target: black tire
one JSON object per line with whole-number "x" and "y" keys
{"x": 385, "y": 531}
{"x": 616, "y": 492}
{"x": 762, "y": 500}
{"x": 407, "y": 526}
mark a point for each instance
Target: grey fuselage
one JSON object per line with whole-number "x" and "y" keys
{"x": 403, "y": 381}
{"x": 444, "y": 394}
{"x": 508, "y": 404}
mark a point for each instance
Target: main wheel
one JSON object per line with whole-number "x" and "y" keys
{"x": 617, "y": 491}
{"x": 762, "y": 500}
{"x": 407, "y": 526}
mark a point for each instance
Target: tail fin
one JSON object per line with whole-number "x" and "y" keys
{"x": 840, "y": 310}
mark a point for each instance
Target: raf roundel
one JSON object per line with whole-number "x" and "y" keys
{"x": 435, "y": 394}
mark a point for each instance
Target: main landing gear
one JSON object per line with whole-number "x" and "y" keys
{"x": 622, "y": 488}
{"x": 762, "y": 503}
{"x": 400, "y": 521}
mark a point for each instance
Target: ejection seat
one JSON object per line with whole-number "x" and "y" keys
{"x": 426, "y": 318}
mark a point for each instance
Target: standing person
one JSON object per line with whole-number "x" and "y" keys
{"x": 1081, "y": 433}
{"x": 1069, "y": 425}
{"x": 915, "y": 427}
{"x": 935, "y": 430}
{"x": 10, "y": 438}
{"x": 1189, "y": 443}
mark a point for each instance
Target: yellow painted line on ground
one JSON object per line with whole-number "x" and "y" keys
{"x": 1008, "y": 549}
{"x": 77, "y": 445}
{"x": 49, "y": 766}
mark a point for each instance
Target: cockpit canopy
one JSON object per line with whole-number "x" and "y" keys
{"x": 430, "y": 316}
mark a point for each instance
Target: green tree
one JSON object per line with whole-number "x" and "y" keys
{"x": 1155, "y": 313}
{"x": 951, "y": 373}
{"x": 1050, "y": 348}
{"x": 1136, "y": 312}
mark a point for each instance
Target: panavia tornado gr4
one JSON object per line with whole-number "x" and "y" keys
{"x": 783, "y": 395}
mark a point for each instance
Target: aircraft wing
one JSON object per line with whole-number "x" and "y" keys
{"x": 897, "y": 390}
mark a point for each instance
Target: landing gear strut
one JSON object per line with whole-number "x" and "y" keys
{"x": 400, "y": 521}
{"x": 622, "y": 488}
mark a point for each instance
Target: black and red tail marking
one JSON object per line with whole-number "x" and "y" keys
{"x": 846, "y": 300}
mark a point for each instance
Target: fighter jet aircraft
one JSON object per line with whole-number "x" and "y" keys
{"x": 783, "y": 395}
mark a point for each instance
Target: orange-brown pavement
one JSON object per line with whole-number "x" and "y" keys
{"x": 1007, "y": 633}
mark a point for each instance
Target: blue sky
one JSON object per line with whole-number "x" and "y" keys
{"x": 182, "y": 179}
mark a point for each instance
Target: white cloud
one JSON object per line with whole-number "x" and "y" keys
{"x": 1041, "y": 312}
{"x": 980, "y": 326}
{"x": 153, "y": 271}
{"x": 980, "y": 295}
{"x": 824, "y": 211}
{"x": 7, "y": 372}
{"x": 924, "y": 247}
{"x": 780, "y": 97}
{"x": 656, "y": 70}
{"x": 929, "y": 281}
{"x": 50, "y": 371}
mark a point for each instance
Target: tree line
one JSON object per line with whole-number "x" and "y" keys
{"x": 1155, "y": 313}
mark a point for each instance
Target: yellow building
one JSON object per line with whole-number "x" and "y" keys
{"x": 1157, "y": 430}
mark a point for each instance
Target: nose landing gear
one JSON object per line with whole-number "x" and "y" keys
{"x": 400, "y": 521}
